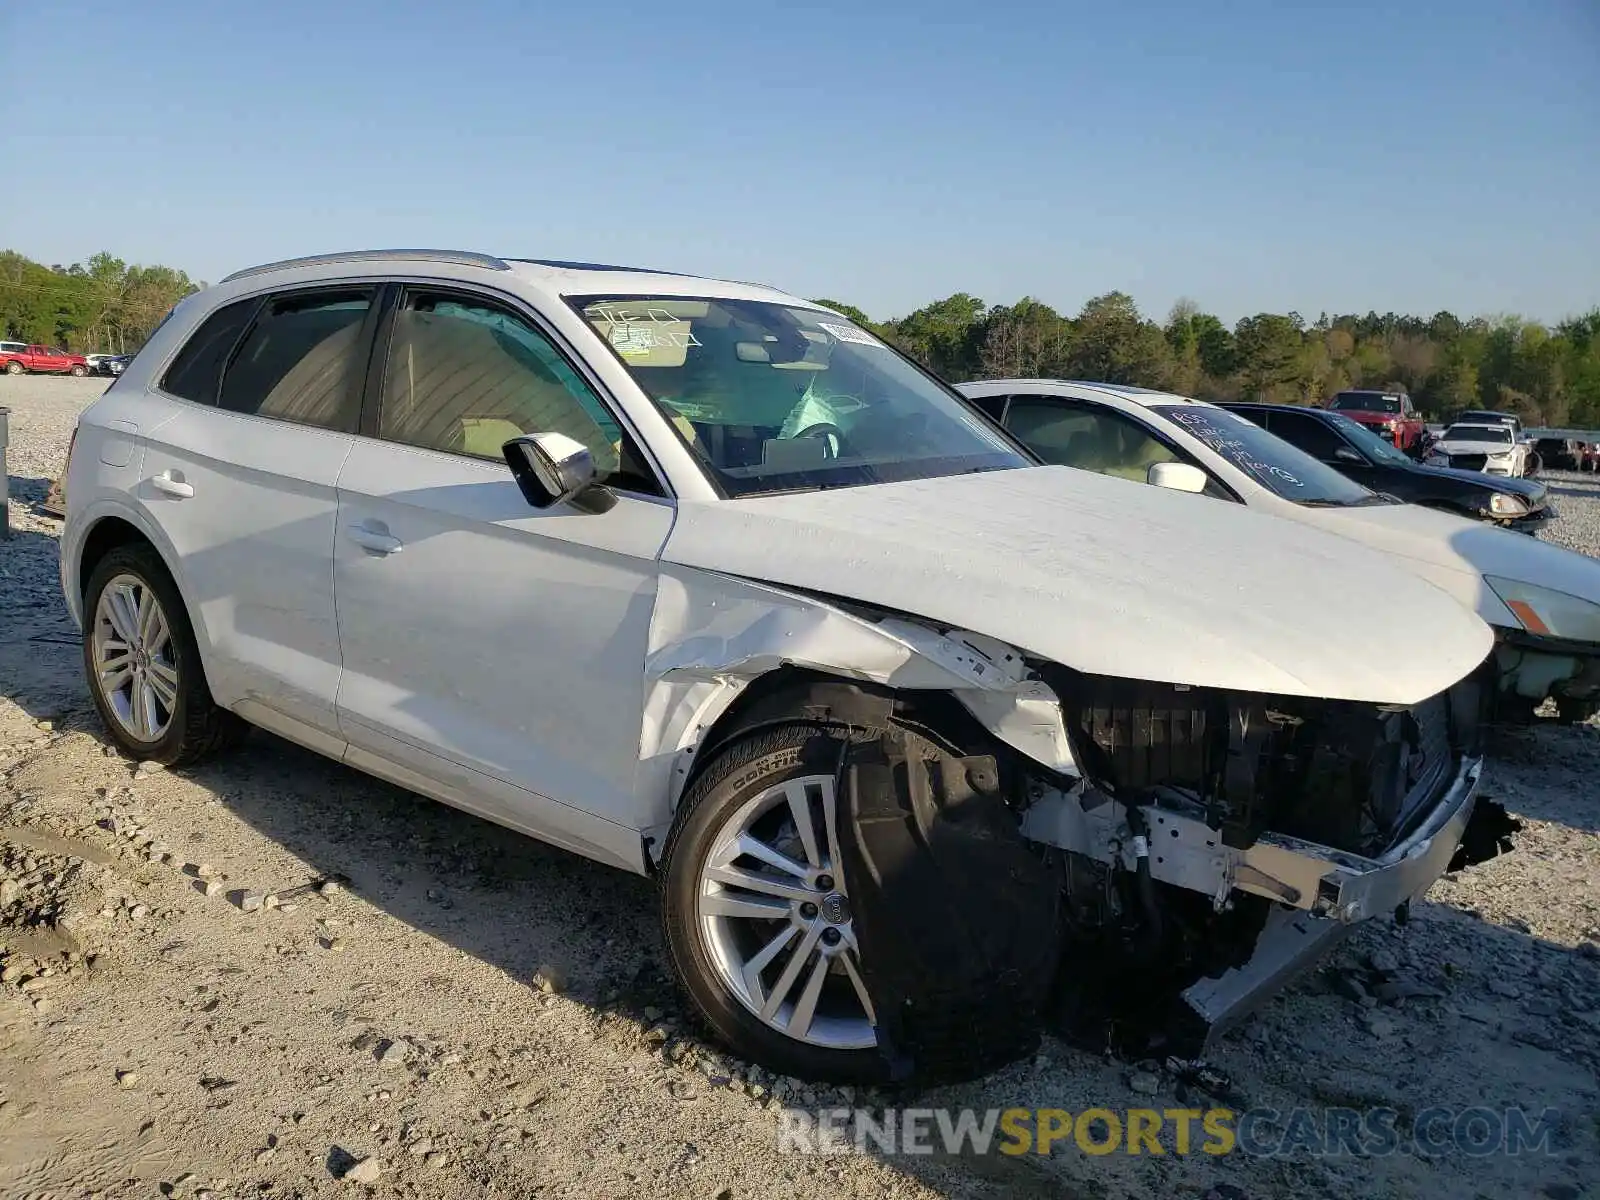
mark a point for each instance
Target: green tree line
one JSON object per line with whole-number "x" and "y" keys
{"x": 103, "y": 305}
{"x": 1548, "y": 375}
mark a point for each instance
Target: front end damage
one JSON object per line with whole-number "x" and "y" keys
{"x": 1133, "y": 863}
{"x": 1223, "y": 841}
{"x": 1205, "y": 848}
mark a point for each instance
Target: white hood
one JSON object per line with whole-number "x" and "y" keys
{"x": 1102, "y": 575}
{"x": 1456, "y": 553}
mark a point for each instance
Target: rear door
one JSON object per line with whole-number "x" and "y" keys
{"x": 263, "y": 405}
{"x": 495, "y": 649}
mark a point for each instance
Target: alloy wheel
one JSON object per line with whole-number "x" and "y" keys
{"x": 135, "y": 660}
{"x": 774, "y": 913}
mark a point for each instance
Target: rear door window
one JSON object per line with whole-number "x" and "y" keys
{"x": 302, "y": 360}
{"x": 1306, "y": 433}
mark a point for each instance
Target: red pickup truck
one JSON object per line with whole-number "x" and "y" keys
{"x": 1390, "y": 415}
{"x": 44, "y": 359}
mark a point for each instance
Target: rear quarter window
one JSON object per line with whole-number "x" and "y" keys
{"x": 196, "y": 374}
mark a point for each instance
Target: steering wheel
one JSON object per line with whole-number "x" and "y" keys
{"x": 825, "y": 429}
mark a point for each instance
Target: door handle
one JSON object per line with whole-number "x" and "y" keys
{"x": 168, "y": 486}
{"x": 374, "y": 540}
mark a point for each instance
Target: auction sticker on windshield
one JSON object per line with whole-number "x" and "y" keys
{"x": 849, "y": 333}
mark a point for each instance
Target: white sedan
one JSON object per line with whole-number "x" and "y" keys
{"x": 1543, "y": 600}
{"x": 1493, "y": 449}
{"x": 706, "y": 582}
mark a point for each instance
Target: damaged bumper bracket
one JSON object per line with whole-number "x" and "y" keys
{"x": 1187, "y": 853}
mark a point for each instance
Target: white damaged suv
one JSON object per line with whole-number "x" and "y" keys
{"x": 704, "y": 581}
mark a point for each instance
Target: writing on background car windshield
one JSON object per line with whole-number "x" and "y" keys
{"x": 1233, "y": 448}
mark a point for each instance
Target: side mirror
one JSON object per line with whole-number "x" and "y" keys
{"x": 1177, "y": 477}
{"x": 1345, "y": 454}
{"x": 550, "y": 468}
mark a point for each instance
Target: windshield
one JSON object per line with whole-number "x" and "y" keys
{"x": 1369, "y": 443}
{"x": 773, "y": 397}
{"x": 1478, "y": 433}
{"x": 1376, "y": 402}
{"x": 1265, "y": 458}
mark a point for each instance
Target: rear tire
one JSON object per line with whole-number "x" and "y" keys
{"x": 14, "y": 368}
{"x": 143, "y": 666}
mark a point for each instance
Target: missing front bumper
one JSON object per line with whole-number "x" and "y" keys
{"x": 1187, "y": 853}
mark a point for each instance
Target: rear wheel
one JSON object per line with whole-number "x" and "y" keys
{"x": 143, "y": 665}
{"x": 756, "y": 908}
{"x": 13, "y": 367}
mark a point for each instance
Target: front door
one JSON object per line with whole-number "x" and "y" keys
{"x": 496, "y": 649}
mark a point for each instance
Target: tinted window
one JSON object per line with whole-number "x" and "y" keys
{"x": 1377, "y": 402}
{"x": 1092, "y": 439}
{"x": 1478, "y": 433}
{"x": 196, "y": 372}
{"x": 991, "y": 406}
{"x": 1308, "y": 433}
{"x": 1375, "y": 448}
{"x": 464, "y": 376}
{"x": 301, "y": 360}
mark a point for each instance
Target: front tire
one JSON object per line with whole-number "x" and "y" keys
{"x": 756, "y": 913}
{"x": 143, "y": 665}
{"x": 79, "y": 372}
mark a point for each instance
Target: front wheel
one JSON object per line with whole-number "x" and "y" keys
{"x": 79, "y": 372}
{"x": 143, "y": 665}
{"x": 756, "y": 908}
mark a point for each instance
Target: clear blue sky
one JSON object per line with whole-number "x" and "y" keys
{"x": 1253, "y": 155}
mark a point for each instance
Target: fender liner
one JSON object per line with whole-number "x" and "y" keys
{"x": 957, "y": 920}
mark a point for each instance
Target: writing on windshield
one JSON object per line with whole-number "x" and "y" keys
{"x": 1266, "y": 458}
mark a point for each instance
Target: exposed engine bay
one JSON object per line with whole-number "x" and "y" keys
{"x": 1208, "y": 847}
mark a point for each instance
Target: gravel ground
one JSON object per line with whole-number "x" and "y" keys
{"x": 464, "y": 1012}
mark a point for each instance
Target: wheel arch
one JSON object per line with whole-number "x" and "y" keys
{"x": 105, "y": 533}
{"x": 728, "y": 656}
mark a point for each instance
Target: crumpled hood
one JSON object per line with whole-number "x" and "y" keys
{"x": 1456, "y": 553}
{"x": 1102, "y": 575}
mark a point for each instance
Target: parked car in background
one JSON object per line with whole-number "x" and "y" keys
{"x": 1390, "y": 415}
{"x": 1559, "y": 454}
{"x": 1543, "y": 600}
{"x": 705, "y": 581}
{"x": 1492, "y": 449}
{"x": 1353, "y": 450}
{"x": 44, "y": 360}
{"x": 1589, "y": 456}
{"x": 12, "y": 347}
{"x": 107, "y": 364}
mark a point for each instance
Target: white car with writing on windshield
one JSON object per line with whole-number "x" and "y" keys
{"x": 1543, "y": 600}
{"x": 705, "y": 582}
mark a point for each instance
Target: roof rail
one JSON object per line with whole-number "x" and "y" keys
{"x": 464, "y": 258}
